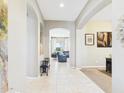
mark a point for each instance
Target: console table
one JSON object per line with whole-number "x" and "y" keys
{"x": 109, "y": 65}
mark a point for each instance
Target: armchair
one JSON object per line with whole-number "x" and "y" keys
{"x": 62, "y": 58}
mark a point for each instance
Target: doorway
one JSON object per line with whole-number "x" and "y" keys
{"x": 59, "y": 45}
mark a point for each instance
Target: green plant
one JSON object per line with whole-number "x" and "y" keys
{"x": 3, "y": 23}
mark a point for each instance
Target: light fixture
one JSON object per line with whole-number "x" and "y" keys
{"x": 61, "y": 5}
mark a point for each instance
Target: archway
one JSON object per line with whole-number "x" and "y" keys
{"x": 70, "y": 26}
{"x": 59, "y": 42}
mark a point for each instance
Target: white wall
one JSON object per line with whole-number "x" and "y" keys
{"x": 32, "y": 43}
{"x": 39, "y": 26}
{"x": 17, "y": 42}
{"x": 17, "y": 35}
{"x": 91, "y": 56}
{"x": 118, "y": 51}
{"x": 81, "y": 50}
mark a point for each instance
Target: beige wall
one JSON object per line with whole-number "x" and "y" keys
{"x": 91, "y": 56}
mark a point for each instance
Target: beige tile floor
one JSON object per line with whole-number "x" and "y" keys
{"x": 62, "y": 79}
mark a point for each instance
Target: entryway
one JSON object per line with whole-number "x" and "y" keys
{"x": 59, "y": 47}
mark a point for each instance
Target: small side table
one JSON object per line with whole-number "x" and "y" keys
{"x": 109, "y": 65}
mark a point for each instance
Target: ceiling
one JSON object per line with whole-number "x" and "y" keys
{"x": 52, "y": 11}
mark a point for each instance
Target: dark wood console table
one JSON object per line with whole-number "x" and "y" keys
{"x": 109, "y": 65}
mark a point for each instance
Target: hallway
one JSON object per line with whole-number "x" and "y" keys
{"x": 95, "y": 44}
{"x": 62, "y": 79}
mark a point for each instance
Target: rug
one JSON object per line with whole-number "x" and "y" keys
{"x": 101, "y": 79}
{"x": 106, "y": 73}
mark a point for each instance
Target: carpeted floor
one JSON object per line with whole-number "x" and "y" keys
{"x": 104, "y": 72}
{"x": 103, "y": 80}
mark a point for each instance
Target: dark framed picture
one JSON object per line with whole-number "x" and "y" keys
{"x": 104, "y": 39}
{"x": 89, "y": 39}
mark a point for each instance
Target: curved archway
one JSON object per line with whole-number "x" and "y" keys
{"x": 70, "y": 26}
{"x": 59, "y": 32}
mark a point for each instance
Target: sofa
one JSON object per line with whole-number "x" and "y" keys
{"x": 66, "y": 53}
{"x": 62, "y": 57}
{"x": 54, "y": 55}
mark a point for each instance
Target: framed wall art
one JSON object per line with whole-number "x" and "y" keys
{"x": 104, "y": 39}
{"x": 89, "y": 39}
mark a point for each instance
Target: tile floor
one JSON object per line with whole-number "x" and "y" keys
{"x": 62, "y": 79}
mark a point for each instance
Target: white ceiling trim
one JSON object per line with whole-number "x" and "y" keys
{"x": 90, "y": 10}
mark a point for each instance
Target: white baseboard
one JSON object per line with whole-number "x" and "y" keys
{"x": 32, "y": 78}
{"x": 91, "y": 67}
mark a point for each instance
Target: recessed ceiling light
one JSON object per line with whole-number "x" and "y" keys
{"x": 61, "y": 5}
